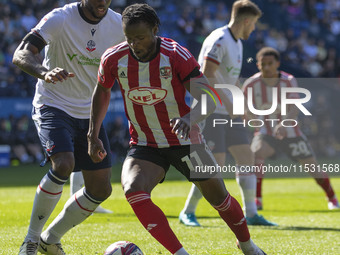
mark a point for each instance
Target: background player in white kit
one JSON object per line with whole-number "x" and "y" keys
{"x": 221, "y": 62}
{"x": 270, "y": 139}
{"x": 75, "y": 37}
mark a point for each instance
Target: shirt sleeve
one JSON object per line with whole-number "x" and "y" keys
{"x": 50, "y": 26}
{"x": 106, "y": 72}
{"x": 215, "y": 52}
{"x": 293, "y": 84}
{"x": 185, "y": 63}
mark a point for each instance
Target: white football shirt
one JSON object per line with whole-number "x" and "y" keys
{"x": 75, "y": 44}
{"x": 262, "y": 99}
{"x": 223, "y": 49}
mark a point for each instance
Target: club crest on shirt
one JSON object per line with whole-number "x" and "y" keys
{"x": 91, "y": 46}
{"x": 165, "y": 72}
{"x": 147, "y": 95}
{"x": 213, "y": 53}
{"x": 49, "y": 146}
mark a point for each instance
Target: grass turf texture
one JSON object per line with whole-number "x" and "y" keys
{"x": 297, "y": 205}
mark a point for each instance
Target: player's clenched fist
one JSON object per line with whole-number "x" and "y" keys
{"x": 96, "y": 150}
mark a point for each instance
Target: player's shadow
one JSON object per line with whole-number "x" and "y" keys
{"x": 282, "y": 227}
{"x": 305, "y": 211}
{"x": 302, "y": 228}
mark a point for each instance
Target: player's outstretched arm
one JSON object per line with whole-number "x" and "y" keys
{"x": 100, "y": 103}
{"x": 28, "y": 59}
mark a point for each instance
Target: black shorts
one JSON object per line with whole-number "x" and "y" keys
{"x": 295, "y": 148}
{"x": 221, "y": 137}
{"x": 186, "y": 159}
{"x": 59, "y": 132}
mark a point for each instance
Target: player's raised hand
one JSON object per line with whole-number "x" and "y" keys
{"x": 181, "y": 127}
{"x": 57, "y": 74}
{"x": 96, "y": 150}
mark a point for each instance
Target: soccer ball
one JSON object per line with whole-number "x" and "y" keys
{"x": 123, "y": 248}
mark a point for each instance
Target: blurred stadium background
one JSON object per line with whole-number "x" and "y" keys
{"x": 306, "y": 32}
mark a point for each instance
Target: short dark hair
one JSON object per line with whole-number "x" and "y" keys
{"x": 245, "y": 7}
{"x": 268, "y": 51}
{"x": 136, "y": 13}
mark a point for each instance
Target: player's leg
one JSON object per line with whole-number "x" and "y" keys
{"x": 56, "y": 139}
{"x": 139, "y": 177}
{"x": 188, "y": 214}
{"x": 82, "y": 204}
{"x": 230, "y": 211}
{"x": 299, "y": 149}
{"x": 323, "y": 181}
{"x": 263, "y": 147}
{"x": 214, "y": 190}
{"x": 239, "y": 147}
{"x": 76, "y": 183}
{"x": 246, "y": 180}
{"x": 216, "y": 142}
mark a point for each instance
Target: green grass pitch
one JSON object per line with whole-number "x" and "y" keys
{"x": 299, "y": 206}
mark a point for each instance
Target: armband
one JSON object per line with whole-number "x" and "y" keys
{"x": 35, "y": 39}
{"x": 196, "y": 72}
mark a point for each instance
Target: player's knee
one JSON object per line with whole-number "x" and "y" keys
{"x": 130, "y": 187}
{"x": 106, "y": 192}
{"x": 216, "y": 200}
{"x": 100, "y": 192}
{"x": 63, "y": 163}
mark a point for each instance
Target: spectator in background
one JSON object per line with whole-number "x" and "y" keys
{"x": 318, "y": 18}
{"x": 185, "y": 22}
{"x": 20, "y": 134}
{"x": 26, "y": 137}
{"x": 28, "y": 20}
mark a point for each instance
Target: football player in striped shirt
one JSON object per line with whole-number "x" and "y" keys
{"x": 154, "y": 74}
{"x": 269, "y": 139}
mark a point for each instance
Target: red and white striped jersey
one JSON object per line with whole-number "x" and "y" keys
{"x": 263, "y": 99}
{"x": 153, "y": 91}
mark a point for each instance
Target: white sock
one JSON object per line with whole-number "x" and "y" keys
{"x": 181, "y": 251}
{"x": 76, "y": 210}
{"x": 249, "y": 248}
{"x": 247, "y": 183}
{"x": 76, "y": 182}
{"x": 192, "y": 200}
{"x": 47, "y": 196}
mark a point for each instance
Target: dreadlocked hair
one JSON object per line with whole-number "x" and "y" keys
{"x": 140, "y": 13}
